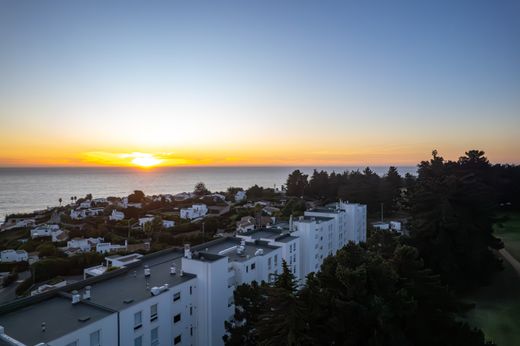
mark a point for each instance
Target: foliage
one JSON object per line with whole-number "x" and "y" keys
{"x": 374, "y": 294}
{"x": 452, "y": 209}
{"x": 297, "y": 184}
{"x": 136, "y": 197}
{"x": 200, "y": 189}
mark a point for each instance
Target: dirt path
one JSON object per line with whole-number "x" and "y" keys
{"x": 513, "y": 261}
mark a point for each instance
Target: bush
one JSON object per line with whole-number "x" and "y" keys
{"x": 24, "y": 286}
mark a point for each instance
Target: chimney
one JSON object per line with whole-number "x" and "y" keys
{"x": 187, "y": 251}
{"x": 86, "y": 294}
{"x": 76, "y": 297}
{"x": 173, "y": 270}
{"x": 146, "y": 271}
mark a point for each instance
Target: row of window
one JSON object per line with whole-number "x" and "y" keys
{"x": 154, "y": 338}
{"x": 95, "y": 339}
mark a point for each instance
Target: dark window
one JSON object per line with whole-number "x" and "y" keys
{"x": 177, "y": 340}
{"x": 176, "y": 318}
{"x": 176, "y": 296}
{"x": 253, "y": 266}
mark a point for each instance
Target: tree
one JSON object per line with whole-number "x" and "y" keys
{"x": 200, "y": 190}
{"x": 60, "y": 200}
{"x": 283, "y": 322}
{"x": 297, "y": 184}
{"x": 452, "y": 212}
{"x": 136, "y": 197}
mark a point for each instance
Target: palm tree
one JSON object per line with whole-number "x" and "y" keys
{"x": 60, "y": 200}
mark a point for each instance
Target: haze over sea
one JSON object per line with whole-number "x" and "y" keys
{"x": 28, "y": 189}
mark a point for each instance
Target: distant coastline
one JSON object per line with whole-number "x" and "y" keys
{"x": 25, "y": 189}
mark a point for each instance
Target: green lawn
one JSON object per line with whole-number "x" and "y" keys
{"x": 497, "y": 306}
{"x": 509, "y": 232}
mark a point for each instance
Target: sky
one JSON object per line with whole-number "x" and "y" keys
{"x": 365, "y": 82}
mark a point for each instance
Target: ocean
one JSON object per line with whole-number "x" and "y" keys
{"x": 29, "y": 189}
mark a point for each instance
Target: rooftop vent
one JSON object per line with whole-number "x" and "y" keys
{"x": 146, "y": 271}
{"x": 76, "y": 297}
{"x": 259, "y": 252}
{"x": 187, "y": 251}
{"x": 173, "y": 270}
{"x": 44, "y": 326}
{"x": 128, "y": 301}
{"x": 86, "y": 294}
{"x": 84, "y": 318}
{"x": 158, "y": 290}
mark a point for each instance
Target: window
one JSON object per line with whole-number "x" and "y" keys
{"x": 95, "y": 340}
{"x": 191, "y": 290}
{"x": 177, "y": 340}
{"x": 138, "y": 320}
{"x": 275, "y": 260}
{"x": 269, "y": 263}
{"x": 153, "y": 312}
{"x": 191, "y": 331}
{"x": 253, "y": 266}
{"x": 247, "y": 269}
{"x": 154, "y": 336}
{"x": 177, "y": 318}
{"x": 138, "y": 341}
{"x": 176, "y": 296}
{"x": 191, "y": 310}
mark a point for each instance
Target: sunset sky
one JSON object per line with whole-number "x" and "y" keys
{"x": 257, "y": 82}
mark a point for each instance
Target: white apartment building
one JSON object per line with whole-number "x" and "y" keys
{"x": 13, "y": 256}
{"x": 172, "y": 297}
{"x": 194, "y": 212}
{"x": 79, "y": 214}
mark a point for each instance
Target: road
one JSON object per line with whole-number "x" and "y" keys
{"x": 8, "y": 294}
{"x": 513, "y": 261}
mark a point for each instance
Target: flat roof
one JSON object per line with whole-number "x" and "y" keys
{"x": 227, "y": 247}
{"x": 59, "y": 314}
{"x": 309, "y": 218}
{"x": 133, "y": 287}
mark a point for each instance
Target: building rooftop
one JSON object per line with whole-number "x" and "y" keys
{"x": 59, "y": 314}
{"x": 228, "y": 247}
{"x": 308, "y": 218}
{"x": 133, "y": 287}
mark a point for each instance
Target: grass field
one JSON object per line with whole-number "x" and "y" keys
{"x": 497, "y": 306}
{"x": 509, "y": 232}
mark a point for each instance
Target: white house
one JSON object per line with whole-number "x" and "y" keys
{"x": 240, "y": 196}
{"x": 109, "y": 247}
{"x": 194, "y": 212}
{"x": 84, "y": 245}
{"x": 13, "y": 256}
{"x": 246, "y": 223}
{"x": 44, "y": 230}
{"x": 146, "y": 219}
{"x": 117, "y": 215}
{"x": 85, "y": 204}
{"x": 79, "y": 214}
{"x": 168, "y": 223}
{"x": 18, "y": 223}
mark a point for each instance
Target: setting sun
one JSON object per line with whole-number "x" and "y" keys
{"x": 146, "y": 161}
